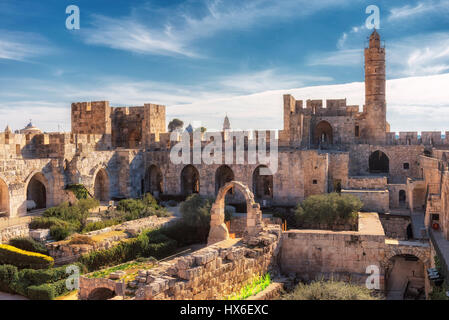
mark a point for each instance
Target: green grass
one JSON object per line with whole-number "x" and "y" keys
{"x": 122, "y": 267}
{"x": 253, "y": 288}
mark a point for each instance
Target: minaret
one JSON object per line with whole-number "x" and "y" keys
{"x": 375, "y": 102}
{"x": 226, "y": 124}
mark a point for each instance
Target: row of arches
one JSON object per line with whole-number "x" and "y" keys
{"x": 190, "y": 180}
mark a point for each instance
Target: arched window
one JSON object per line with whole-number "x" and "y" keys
{"x": 153, "y": 180}
{"x": 223, "y": 175}
{"x": 323, "y": 133}
{"x": 190, "y": 180}
{"x": 379, "y": 162}
{"x": 262, "y": 184}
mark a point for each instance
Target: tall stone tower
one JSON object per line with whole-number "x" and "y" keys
{"x": 375, "y": 103}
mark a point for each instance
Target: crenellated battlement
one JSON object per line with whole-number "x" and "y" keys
{"x": 427, "y": 138}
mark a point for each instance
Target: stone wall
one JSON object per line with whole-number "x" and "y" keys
{"x": 210, "y": 273}
{"x": 373, "y": 200}
{"x": 315, "y": 253}
{"x": 395, "y": 226}
{"x": 12, "y": 232}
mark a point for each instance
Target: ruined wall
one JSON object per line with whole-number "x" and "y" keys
{"x": 395, "y": 226}
{"x": 210, "y": 273}
{"x": 373, "y": 200}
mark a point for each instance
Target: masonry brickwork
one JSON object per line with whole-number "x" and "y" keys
{"x": 323, "y": 147}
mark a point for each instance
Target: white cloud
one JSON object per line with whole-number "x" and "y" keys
{"x": 414, "y": 103}
{"x": 174, "y": 30}
{"x": 340, "y": 58}
{"x": 421, "y": 8}
{"x": 21, "y": 45}
{"x": 270, "y": 79}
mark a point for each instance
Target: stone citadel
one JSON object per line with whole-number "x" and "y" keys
{"x": 124, "y": 152}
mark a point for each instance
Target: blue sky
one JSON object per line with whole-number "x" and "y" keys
{"x": 206, "y": 58}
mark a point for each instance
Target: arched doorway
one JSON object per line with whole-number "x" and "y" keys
{"x": 4, "y": 199}
{"x": 402, "y": 198}
{"x": 379, "y": 162}
{"x": 218, "y": 230}
{"x": 223, "y": 175}
{"x": 101, "y": 294}
{"x": 154, "y": 180}
{"x": 190, "y": 180}
{"x": 262, "y": 184}
{"x": 101, "y": 186}
{"x": 323, "y": 133}
{"x": 37, "y": 192}
{"x": 405, "y": 278}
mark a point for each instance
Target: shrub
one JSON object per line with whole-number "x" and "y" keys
{"x": 28, "y": 244}
{"x": 47, "y": 222}
{"x": 98, "y": 225}
{"x": 8, "y": 275}
{"x": 229, "y": 212}
{"x": 24, "y": 281}
{"x": 81, "y": 239}
{"x": 328, "y": 209}
{"x": 24, "y": 259}
{"x": 148, "y": 243}
{"x": 184, "y": 234}
{"x": 47, "y": 291}
{"x": 330, "y": 290}
{"x": 61, "y": 232}
{"x": 79, "y": 190}
{"x": 195, "y": 213}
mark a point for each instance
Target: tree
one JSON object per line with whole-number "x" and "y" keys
{"x": 175, "y": 124}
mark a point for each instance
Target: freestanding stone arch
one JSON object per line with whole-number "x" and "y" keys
{"x": 4, "y": 198}
{"x": 218, "y": 231}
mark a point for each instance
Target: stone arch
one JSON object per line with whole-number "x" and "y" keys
{"x": 36, "y": 191}
{"x": 223, "y": 175}
{"x": 323, "y": 133}
{"x": 262, "y": 184}
{"x": 190, "y": 180}
{"x": 400, "y": 269}
{"x": 154, "y": 180}
{"x": 379, "y": 162}
{"x": 101, "y": 185}
{"x": 4, "y": 198}
{"x": 218, "y": 231}
{"x": 422, "y": 253}
{"x": 101, "y": 294}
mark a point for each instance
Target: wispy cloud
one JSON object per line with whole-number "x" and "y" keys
{"x": 173, "y": 31}
{"x": 22, "y": 45}
{"x": 339, "y": 58}
{"x": 419, "y": 9}
{"x": 270, "y": 79}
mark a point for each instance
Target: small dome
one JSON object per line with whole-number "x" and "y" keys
{"x": 30, "y": 129}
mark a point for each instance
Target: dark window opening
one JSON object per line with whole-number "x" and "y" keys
{"x": 406, "y": 166}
